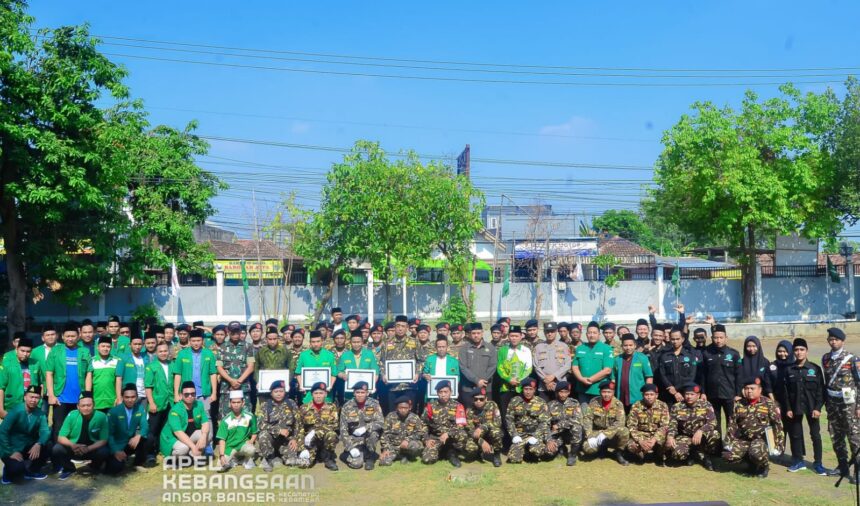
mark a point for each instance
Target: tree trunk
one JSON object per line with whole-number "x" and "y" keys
{"x": 748, "y": 275}
{"x": 325, "y": 298}
{"x": 538, "y": 291}
{"x": 16, "y": 306}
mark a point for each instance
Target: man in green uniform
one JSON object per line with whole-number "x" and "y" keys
{"x": 132, "y": 368}
{"x": 753, "y": 417}
{"x": 128, "y": 431}
{"x": 40, "y": 356}
{"x": 565, "y": 428}
{"x": 280, "y": 428}
{"x": 197, "y": 365}
{"x": 604, "y": 424}
{"x": 513, "y": 365}
{"x": 527, "y": 420}
{"x": 361, "y": 424}
{"x": 188, "y": 429}
{"x": 485, "y": 426}
{"x": 316, "y": 356}
{"x": 23, "y": 436}
{"x": 67, "y": 373}
{"x": 403, "y": 434}
{"x": 592, "y": 363}
{"x": 104, "y": 367}
{"x": 17, "y": 372}
{"x": 692, "y": 428}
{"x": 157, "y": 381}
{"x": 631, "y": 370}
{"x": 319, "y": 425}
{"x": 358, "y": 357}
{"x": 445, "y": 419}
{"x": 83, "y": 436}
{"x": 237, "y": 434}
{"x": 648, "y": 422}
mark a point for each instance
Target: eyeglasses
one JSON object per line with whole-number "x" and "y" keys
{"x": 188, "y": 394}
{"x": 479, "y": 399}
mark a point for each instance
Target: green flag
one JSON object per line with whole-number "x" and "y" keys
{"x": 244, "y": 277}
{"x": 506, "y": 283}
{"x": 676, "y": 280}
{"x": 831, "y": 271}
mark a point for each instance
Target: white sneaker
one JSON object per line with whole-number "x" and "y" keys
{"x": 249, "y": 464}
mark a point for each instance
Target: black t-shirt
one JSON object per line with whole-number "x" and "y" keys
{"x": 85, "y": 432}
{"x": 191, "y": 427}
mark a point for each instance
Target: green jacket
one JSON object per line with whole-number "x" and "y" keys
{"x": 366, "y": 360}
{"x": 161, "y": 384}
{"x": 640, "y": 368}
{"x": 119, "y": 430}
{"x": 38, "y": 355}
{"x": 308, "y": 358}
{"x": 452, "y": 365}
{"x": 591, "y": 360}
{"x": 11, "y": 379}
{"x": 19, "y": 430}
{"x": 71, "y": 428}
{"x": 57, "y": 365}
{"x": 513, "y": 368}
{"x": 266, "y": 359}
{"x": 127, "y": 370}
{"x": 177, "y": 420}
{"x": 184, "y": 367}
{"x": 121, "y": 346}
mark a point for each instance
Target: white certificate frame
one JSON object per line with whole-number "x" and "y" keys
{"x": 313, "y": 375}
{"x": 399, "y": 367}
{"x": 431, "y": 386}
{"x": 269, "y": 376}
{"x": 353, "y": 376}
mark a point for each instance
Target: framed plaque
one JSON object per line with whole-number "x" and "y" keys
{"x": 353, "y": 376}
{"x": 311, "y": 375}
{"x": 269, "y": 376}
{"x": 400, "y": 371}
{"x": 434, "y": 380}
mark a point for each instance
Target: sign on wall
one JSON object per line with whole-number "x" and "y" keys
{"x": 268, "y": 269}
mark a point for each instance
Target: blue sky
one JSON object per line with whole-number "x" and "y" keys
{"x": 603, "y": 124}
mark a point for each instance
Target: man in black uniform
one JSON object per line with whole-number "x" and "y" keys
{"x": 804, "y": 392}
{"x": 721, "y": 374}
{"x": 676, "y": 367}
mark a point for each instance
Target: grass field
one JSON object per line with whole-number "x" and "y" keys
{"x": 595, "y": 482}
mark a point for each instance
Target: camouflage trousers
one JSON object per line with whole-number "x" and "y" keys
{"x": 636, "y": 449}
{"x": 843, "y": 425}
{"x": 684, "y": 446}
{"x": 564, "y": 438}
{"x": 365, "y": 444}
{"x": 458, "y": 441}
{"x": 517, "y": 451}
{"x": 614, "y": 439}
{"x": 271, "y": 445}
{"x": 755, "y": 451}
{"x": 413, "y": 450}
{"x": 323, "y": 441}
{"x": 493, "y": 436}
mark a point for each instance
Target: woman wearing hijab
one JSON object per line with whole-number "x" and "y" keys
{"x": 754, "y": 364}
{"x": 784, "y": 359}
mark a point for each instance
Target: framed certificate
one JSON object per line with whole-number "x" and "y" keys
{"x": 353, "y": 376}
{"x": 311, "y": 375}
{"x": 269, "y": 376}
{"x": 400, "y": 371}
{"x": 434, "y": 380}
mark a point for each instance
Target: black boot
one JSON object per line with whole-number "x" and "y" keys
{"x": 453, "y": 459}
{"x": 370, "y": 462}
{"x": 840, "y": 470}
{"x": 707, "y": 464}
{"x": 619, "y": 457}
{"x": 762, "y": 471}
{"x": 497, "y": 459}
{"x": 330, "y": 464}
{"x": 660, "y": 458}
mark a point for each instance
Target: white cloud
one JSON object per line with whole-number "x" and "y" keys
{"x": 576, "y": 125}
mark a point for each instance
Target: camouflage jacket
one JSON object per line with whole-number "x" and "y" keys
{"x": 840, "y": 372}
{"x": 323, "y": 420}
{"x": 528, "y": 418}
{"x": 645, "y": 423}
{"x": 599, "y": 419}
{"x": 234, "y": 359}
{"x": 686, "y": 420}
{"x": 351, "y": 417}
{"x": 441, "y": 418}
{"x": 273, "y": 417}
{"x": 488, "y": 417}
{"x": 565, "y": 416}
{"x": 396, "y": 430}
{"x": 749, "y": 421}
{"x": 404, "y": 349}
{"x": 294, "y": 358}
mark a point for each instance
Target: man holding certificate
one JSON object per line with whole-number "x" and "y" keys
{"x": 315, "y": 357}
{"x": 401, "y": 348}
{"x": 357, "y": 357}
{"x": 441, "y": 364}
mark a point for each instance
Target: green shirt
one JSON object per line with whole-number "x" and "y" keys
{"x": 591, "y": 360}
{"x": 21, "y": 429}
{"x": 71, "y": 428}
{"x": 640, "y": 368}
{"x": 184, "y": 367}
{"x": 160, "y": 381}
{"x": 57, "y": 365}
{"x": 121, "y": 346}
{"x": 128, "y": 370}
{"x": 119, "y": 428}
{"x": 104, "y": 381}
{"x": 12, "y": 379}
{"x": 236, "y": 430}
{"x": 40, "y": 356}
{"x": 366, "y": 360}
{"x": 177, "y": 421}
{"x": 308, "y": 358}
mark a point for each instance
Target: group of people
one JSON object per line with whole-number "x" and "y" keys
{"x": 120, "y": 394}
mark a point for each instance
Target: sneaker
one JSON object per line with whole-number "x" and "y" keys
{"x": 249, "y": 464}
{"x": 266, "y": 465}
{"x": 3, "y": 480}
{"x": 798, "y": 466}
{"x": 820, "y": 470}
{"x": 35, "y": 476}
{"x": 226, "y": 467}
{"x": 208, "y": 451}
{"x": 65, "y": 475}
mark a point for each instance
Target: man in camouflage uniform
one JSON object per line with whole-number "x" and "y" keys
{"x": 403, "y": 434}
{"x": 360, "y": 427}
{"x": 296, "y": 347}
{"x": 745, "y": 435}
{"x": 445, "y": 419}
{"x": 402, "y": 347}
{"x": 527, "y": 420}
{"x": 692, "y": 428}
{"x": 235, "y": 366}
{"x": 279, "y": 428}
{"x": 485, "y": 426}
{"x": 565, "y": 428}
{"x": 842, "y": 381}
{"x": 648, "y": 423}
{"x": 319, "y": 426}
{"x": 604, "y": 425}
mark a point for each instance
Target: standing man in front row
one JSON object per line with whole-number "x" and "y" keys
{"x": 552, "y": 361}
{"x": 804, "y": 393}
{"x": 842, "y": 379}
{"x": 23, "y": 436}
{"x": 477, "y": 365}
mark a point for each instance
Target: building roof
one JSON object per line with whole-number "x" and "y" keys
{"x": 692, "y": 262}
{"x": 627, "y": 252}
{"x": 247, "y": 249}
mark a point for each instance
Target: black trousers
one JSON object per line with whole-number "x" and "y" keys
{"x": 59, "y": 416}
{"x": 157, "y": 421}
{"x": 15, "y": 470}
{"x": 115, "y": 466}
{"x": 727, "y": 406}
{"x": 795, "y": 433}
{"x": 62, "y": 456}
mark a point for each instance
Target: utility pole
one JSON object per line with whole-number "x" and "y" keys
{"x": 496, "y": 235}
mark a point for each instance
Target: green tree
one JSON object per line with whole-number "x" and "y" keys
{"x": 286, "y": 227}
{"x": 89, "y": 196}
{"x": 845, "y": 146}
{"x": 742, "y": 176}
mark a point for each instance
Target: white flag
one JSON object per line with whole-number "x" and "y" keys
{"x": 174, "y": 280}
{"x": 577, "y": 273}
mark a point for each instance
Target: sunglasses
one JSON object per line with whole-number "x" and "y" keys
{"x": 188, "y": 394}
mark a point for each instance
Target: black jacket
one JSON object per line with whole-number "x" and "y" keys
{"x": 803, "y": 388}
{"x": 677, "y": 370}
{"x": 721, "y": 372}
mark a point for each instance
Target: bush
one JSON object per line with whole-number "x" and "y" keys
{"x": 148, "y": 310}
{"x": 455, "y": 311}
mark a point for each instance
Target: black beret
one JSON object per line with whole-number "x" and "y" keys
{"x": 277, "y": 384}
{"x": 361, "y": 385}
{"x": 648, "y": 387}
{"x": 607, "y": 385}
{"x": 495, "y": 328}
{"x": 34, "y": 389}
{"x": 836, "y": 332}
{"x": 188, "y": 384}
{"x": 403, "y": 399}
{"x": 531, "y": 324}
{"x": 336, "y": 310}
{"x": 515, "y": 329}
{"x": 528, "y": 382}
{"x": 315, "y": 333}
{"x": 443, "y": 384}
{"x": 299, "y": 331}
{"x": 799, "y": 341}
{"x": 352, "y": 317}
{"x": 86, "y": 394}
{"x": 423, "y": 327}
{"x": 25, "y": 341}
{"x": 690, "y": 387}
{"x": 575, "y": 325}
{"x": 504, "y": 319}
{"x": 367, "y": 325}
{"x": 272, "y": 321}
{"x": 338, "y": 332}
{"x": 401, "y": 319}
{"x": 476, "y": 326}
{"x": 562, "y": 385}
{"x": 414, "y": 321}
{"x": 105, "y": 339}
{"x": 376, "y": 328}
{"x": 719, "y": 328}
{"x": 457, "y": 327}
{"x": 642, "y": 321}
{"x": 442, "y": 325}
{"x": 319, "y": 385}
{"x": 389, "y": 325}
{"x": 129, "y": 386}
{"x": 752, "y": 379}
{"x": 256, "y": 326}
{"x": 321, "y": 325}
